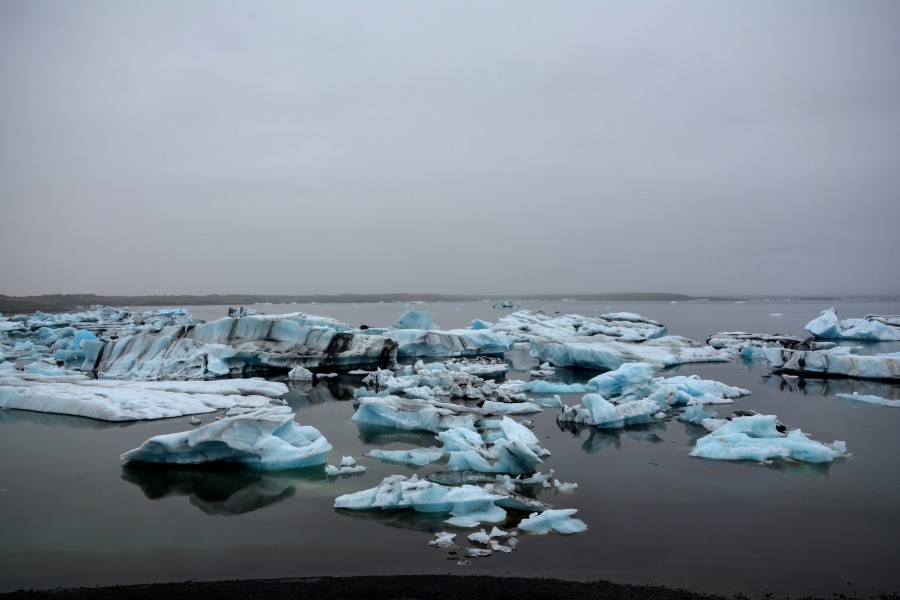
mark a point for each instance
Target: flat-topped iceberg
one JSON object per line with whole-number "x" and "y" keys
{"x": 267, "y": 438}
{"x": 450, "y": 343}
{"x": 737, "y": 340}
{"x": 875, "y": 328}
{"x": 757, "y": 438}
{"x": 111, "y": 400}
{"x": 838, "y": 361}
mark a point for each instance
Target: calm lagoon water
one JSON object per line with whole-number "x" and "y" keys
{"x": 71, "y": 514}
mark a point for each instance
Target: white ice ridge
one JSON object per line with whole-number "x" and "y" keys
{"x": 111, "y": 400}
{"x": 266, "y": 438}
{"x": 836, "y": 361}
{"x": 872, "y": 328}
{"x": 468, "y": 505}
{"x": 558, "y": 520}
{"x": 870, "y": 399}
{"x": 736, "y": 340}
{"x": 757, "y": 438}
{"x": 631, "y": 395}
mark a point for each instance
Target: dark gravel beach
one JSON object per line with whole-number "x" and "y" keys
{"x": 386, "y": 587}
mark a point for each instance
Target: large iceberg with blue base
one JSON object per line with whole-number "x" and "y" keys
{"x": 757, "y": 438}
{"x": 111, "y": 400}
{"x": 874, "y": 328}
{"x": 267, "y": 438}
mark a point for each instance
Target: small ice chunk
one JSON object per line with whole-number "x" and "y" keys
{"x": 558, "y": 520}
{"x": 443, "y": 539}
{"x": 300, "y": 373}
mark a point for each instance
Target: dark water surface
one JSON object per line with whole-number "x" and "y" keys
{"x": 71, "y": 514}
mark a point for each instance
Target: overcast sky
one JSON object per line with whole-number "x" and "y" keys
{"x": 452, "y": 147}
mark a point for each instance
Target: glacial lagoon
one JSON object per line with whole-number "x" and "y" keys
{"x": 72, "y": 514}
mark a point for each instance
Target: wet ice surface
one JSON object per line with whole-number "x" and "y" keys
{"x": 73, "y": 515}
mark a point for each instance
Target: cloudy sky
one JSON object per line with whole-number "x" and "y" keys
{"x": 455, "y": 147}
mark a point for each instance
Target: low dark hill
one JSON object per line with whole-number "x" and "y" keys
{"x": 10, "y": 305}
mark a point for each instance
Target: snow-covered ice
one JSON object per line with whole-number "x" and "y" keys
{"x": 267, "y": 438}
{"x": 111, "y": 400}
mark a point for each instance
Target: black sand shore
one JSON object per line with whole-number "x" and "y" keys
{"x": 425, "y": 587}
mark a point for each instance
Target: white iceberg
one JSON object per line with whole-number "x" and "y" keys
{"x": 606, "y": 354}
{"x": 599, "y": 412}
{"x": 299, "y": 373}
{"x": 450, "y": 343}
{"x": 266, "y": 438}
{"x": 111, "y": 400}
{"x": 757, "y": 438}
{"x": 415, "y": 319}
{"x": 558, "y": 520}
{"x": 348, "y": 466}
{"x": 875, "y": 328}
{"x": 867, "y": 399}
{"x": 414, "y": 413}
{"x": 526, "y": 325}
{"x": 737, "y": 340}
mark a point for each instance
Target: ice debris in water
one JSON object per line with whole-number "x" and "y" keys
{"x": 111, "y": 400}
{"x": 876, "y": 328}
{"x": 558, "y": 520}
{"x": 348, "y": 466}
{"x": 266, "y": 438}
{"x": 870, "y": 399}
{"x": 443, "y": 539}
{"x": 513, "y": 449}
{"x": 757, "y": 437}
{"x": 414, "y": 414}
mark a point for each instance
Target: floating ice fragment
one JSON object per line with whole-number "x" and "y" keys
{"x": 416, "y": 457}
{"x": 872, "y": 328}
{"x": 443, "y": 539}
{"x": 558, "y": 520}
{"x": 870, "y": 399}
{"x": 300, "y": 373}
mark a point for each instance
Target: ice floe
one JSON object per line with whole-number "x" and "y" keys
{"x": 870, "y": 399}
{"x": 266, "y": 438}
{"x": 757, "y": 437}
{"x": 876, "y": 328}
{"x": 348, "y": 466}
{"x": 415, "y": 457}
{"x": 111, "y": 400}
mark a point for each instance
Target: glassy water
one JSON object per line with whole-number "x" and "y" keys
{"x": 72, "y": 514}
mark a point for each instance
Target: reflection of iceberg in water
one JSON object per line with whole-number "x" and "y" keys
{"x": 12, "y": 416}
{"x": 221, "y": 491}
{"x": 402, "y": 519}
{"x": 379, "y": 435}
{"x": 811, "y": 386}
{"x": 603, "y": 439}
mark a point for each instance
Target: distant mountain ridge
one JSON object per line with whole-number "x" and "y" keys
{"x": 64, "y": 302}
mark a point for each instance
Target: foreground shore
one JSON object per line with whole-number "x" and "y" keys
{"x": 407, "y": 587}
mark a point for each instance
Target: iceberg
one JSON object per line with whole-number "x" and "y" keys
{"x": 874, "y": 328}
{"x": 526, "y": 325}
{"x": 232, "y": 346}
{"x": 450, "y": 343}
{"x": 414, "y": 413}
{"x": 266, "y": 438}
{"x": 468, "y": 505}
{"x": 415, "y": 319}
{"x": 558, "y": 520}
{"x": 348, "y": 466}
{"x": 870, "y": 399}
{"x": 599, "y": 412}
{"x": 605, "y": 354}
{"x": 111, "y": 400}
{"x": 839, "y": 361}
{"x": 737, "y": 340}
{"x": 757, "y": 437}
{"x": 512, "y": 448}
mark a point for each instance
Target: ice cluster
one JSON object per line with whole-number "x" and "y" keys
{"x": 874, "y": 328}
{"x": 840, "y": 361}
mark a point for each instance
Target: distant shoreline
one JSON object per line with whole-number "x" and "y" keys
{"x": 10, "y": 305}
